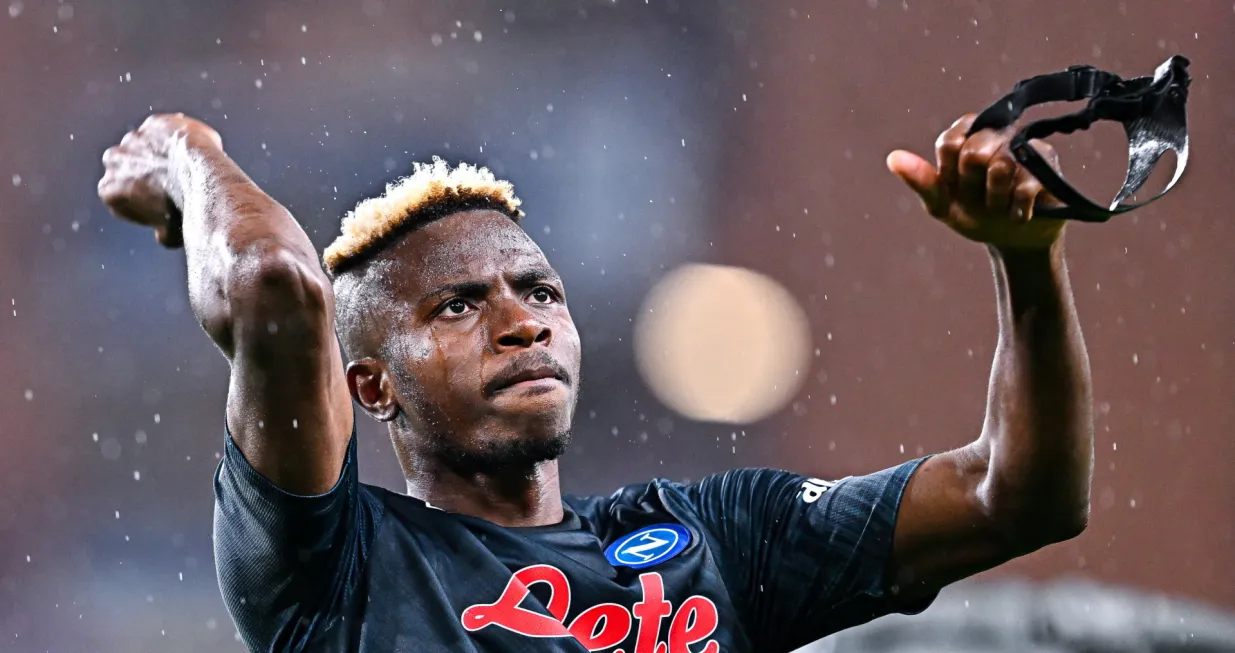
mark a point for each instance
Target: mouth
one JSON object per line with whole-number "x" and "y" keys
{"x": 533, "y": 378}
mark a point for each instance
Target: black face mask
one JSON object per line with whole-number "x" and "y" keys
{"x": 1151, "y": 110}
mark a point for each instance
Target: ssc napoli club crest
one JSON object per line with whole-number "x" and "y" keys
{"x": 650, "y": 545}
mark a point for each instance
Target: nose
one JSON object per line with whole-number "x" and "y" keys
{"x": 516, "y": 327}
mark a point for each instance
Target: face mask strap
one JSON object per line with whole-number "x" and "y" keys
{"x": 1151, "y": 110}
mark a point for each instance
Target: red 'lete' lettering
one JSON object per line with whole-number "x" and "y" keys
{"x": 601, "y": 626}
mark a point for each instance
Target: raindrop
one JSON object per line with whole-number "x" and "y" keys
{"x": 29, "y": 395}
{"x": 15, "y": 9}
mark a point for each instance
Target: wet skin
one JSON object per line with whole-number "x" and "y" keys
{"x": 477, "y": 351}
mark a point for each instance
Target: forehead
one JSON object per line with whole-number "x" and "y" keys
{"x": 470, "y": 245}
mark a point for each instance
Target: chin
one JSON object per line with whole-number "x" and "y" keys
{"x": 518, "y": 451}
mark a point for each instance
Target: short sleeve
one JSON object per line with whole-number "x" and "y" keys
{"x": 288, "y": 564}
{"x": 802, "y": 557}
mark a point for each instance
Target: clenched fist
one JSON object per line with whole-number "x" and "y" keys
{"x": 141, "y": 175}
{"x": 979, "y": 190}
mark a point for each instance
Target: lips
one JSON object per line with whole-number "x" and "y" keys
{"x": 533, "y": 368}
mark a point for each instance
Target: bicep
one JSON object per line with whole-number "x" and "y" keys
{"x": 288, "y": 407}
{"x": 943, "y": 534}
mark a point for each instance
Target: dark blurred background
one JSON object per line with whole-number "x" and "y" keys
{"x": 641, "y": 134}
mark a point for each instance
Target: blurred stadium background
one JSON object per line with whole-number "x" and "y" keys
{"x": 642, "y": 135}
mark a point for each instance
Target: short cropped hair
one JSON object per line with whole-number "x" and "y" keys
{"x": 432, "y": 191}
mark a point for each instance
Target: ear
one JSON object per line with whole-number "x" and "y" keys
{"x": 370, "y": 384}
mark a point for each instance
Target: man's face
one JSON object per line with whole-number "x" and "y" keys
{"x": 483, "y": 353}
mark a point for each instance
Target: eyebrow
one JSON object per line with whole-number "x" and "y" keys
{"x": 534, "y": 275}
{"x": 525, "y": 277}
{"x": 458, "y": 289}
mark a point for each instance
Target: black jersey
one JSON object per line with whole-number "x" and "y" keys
{"x": 751, "y": 560}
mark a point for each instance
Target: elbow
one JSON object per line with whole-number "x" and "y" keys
{"x": 1064, "y": 525}
{"x": 1033, "y": 524}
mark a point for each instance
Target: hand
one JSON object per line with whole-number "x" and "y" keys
{"x": 140, "y": 179}
{"x": 979, "y": 190}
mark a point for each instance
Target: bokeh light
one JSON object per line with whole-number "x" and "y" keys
{"x": 723, "y": 344}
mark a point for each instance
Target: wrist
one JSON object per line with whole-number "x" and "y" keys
{"x": 190, "y": 156}
{"x": 1030, "y": 276}
{"x": 1028, "y": 255}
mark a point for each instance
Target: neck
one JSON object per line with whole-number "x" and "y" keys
{"x": 511, "y": 497}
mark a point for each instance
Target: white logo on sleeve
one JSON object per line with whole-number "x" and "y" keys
{"x": 813, "y": 488}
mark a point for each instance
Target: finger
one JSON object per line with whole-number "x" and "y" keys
{"x": 128, "y": 138}
{"x": 153, "y": 121}
{"x": 1026, "y": 193}
{"x": 919, "y": 175}
{"x": 1000, "y": 179}
{"x": 973, "y": 162}
{"x": 107, "y": 191}
{"x": 948, "y": 149}
{"x": 112, "y": 155}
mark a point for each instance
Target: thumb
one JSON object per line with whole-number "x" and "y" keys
{"x": 922, "y": 177}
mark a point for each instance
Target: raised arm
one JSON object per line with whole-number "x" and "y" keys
{"x": 1024, "y": 483}
{"x": 257, "y": 289}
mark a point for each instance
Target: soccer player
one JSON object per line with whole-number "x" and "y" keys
{"x": 457, "y": 335}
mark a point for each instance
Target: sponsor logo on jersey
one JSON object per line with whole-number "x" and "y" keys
{"x": 600, "y": 627}
{"x": 648, "y": 546}
{"x": 814, "y": 488}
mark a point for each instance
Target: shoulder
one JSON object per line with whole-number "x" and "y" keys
{"x": 741, "y": 481}
{"x": 689, "y": 497}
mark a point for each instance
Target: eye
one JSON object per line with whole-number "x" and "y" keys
{"x": 455, "y": 308}
{"x": 543, "y": 295}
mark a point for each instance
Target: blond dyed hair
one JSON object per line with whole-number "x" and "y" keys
{"x": 433, "y": 190}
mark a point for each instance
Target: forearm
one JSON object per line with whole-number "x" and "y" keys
{"x": 240, "y": 244}
{"x": 1038, "y": 435}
